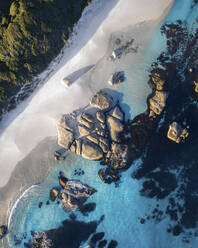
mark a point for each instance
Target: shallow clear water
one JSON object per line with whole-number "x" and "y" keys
{"x": 112, "y": 202}
{"x": 122, "y": 206}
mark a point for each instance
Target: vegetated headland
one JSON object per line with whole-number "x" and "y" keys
{"x": 32, "y": 33}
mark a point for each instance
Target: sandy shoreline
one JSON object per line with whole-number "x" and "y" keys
{"x": 38, "y": 120}
{"x": 35, "y": 163}
{"x": 30, "y": 171}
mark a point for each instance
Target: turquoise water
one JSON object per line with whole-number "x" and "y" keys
{"x": 112, "y": 202}
{"x": 121, "y": 206}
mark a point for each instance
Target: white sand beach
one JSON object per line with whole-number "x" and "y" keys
{"x": 35, "y": 118}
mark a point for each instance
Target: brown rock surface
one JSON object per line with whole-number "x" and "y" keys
{"x": 91, "y": 151}
{"x": 115, "y": 128}
{"x": 117, "y": 113}
{"x": 83, "y": 131}
{"x": 101, "y": 100}
{"x": 100, "y": 116}
{"x": 158, "y": 102}
{"x": 65, "y": 137}
{"x": 177, "y": 133}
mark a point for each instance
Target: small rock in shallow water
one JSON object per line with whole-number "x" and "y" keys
{"x": 53, "y": 194}
{"x": 3, "y": 231}
{"x": 113, "y": 244}
{"x": 98, "y": 236}
{"x": 142, "y": 220}
{"x": 102, "y": 243}
{"x": 40, "y": 204}
{"x": 177, "y": 230}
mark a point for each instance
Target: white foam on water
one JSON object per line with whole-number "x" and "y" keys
{"x": 12, "y": 208}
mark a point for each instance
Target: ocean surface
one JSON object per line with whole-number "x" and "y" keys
{"x": 115, "y": 209}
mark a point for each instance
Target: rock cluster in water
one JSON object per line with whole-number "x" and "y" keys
{"x": 95, "y": 132}
{"x": 39, "y": 240}
{"x": 177, "y": 133}
{"x": 72, "y": 193}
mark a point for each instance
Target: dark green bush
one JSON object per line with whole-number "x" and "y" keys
{"x": 32, "y": 33}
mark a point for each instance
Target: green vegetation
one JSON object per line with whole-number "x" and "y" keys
{"x": 32, "y": 33}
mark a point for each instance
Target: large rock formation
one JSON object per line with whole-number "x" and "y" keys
{"x": 157, "y": 103}
{"x": 91, "y": 132}
{"x": 65, "y": 133}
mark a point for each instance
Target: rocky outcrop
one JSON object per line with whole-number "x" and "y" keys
{"x": 65, "y": 136}
{"x": 100, "y": 116}
{"x": 144, "y": 124}
{"x": 119, "y": 155}
{"x": 91, "y": 151}
{"x": 157, "y": 103}
{"x": 90, "y": 133}
{"x": 39, "y": 240}
{"x": 83, "y": 131}
{"x": 177, "y": 133}
{"x": 73, "y": 193}
{"x": 116, "y": 127}
{"x": 158, "y": 78}
{"x": 62, "y": 181}
{"x": 102, "y": 100}
{"x": 117, "y": 113}
{"x": 195, "y": 86}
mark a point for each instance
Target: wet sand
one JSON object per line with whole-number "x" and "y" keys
{"x": 33, "y": 169}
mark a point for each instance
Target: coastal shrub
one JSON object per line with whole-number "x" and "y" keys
{"x": 32, "y": 33}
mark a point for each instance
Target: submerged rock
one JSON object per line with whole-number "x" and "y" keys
{"x": 3, "y": 231}
{"x": 116, "y": 78}
{"x": 40, "y": 240}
